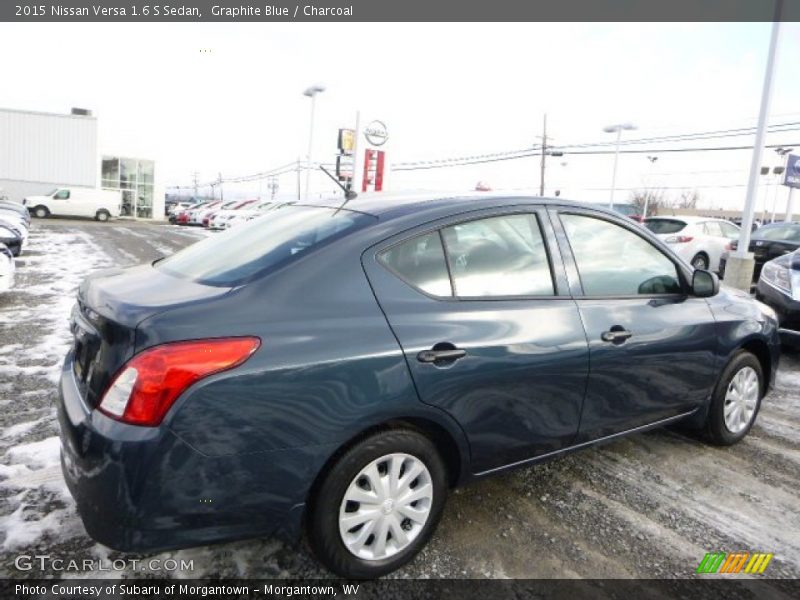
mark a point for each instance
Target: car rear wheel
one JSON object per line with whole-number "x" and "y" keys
{"x": 736, "y": 400}
{"x": 102, "y": 216}
{"x": 700, "y": 261}
{"x": 379, "y": 504}
{"x": 40, "y": 212}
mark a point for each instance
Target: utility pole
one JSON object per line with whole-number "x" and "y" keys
{"x": 544, "y": 155}
{"x": 195, "y": 176}
{"x": 272, "y": 186}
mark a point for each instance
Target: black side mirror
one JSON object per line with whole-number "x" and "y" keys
{"x": 705, "y": 284}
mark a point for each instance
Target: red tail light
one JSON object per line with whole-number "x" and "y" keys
{"x": 147, "y": 386}
{"x": 679, "y": 239}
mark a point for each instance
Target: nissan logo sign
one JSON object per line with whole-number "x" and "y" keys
{"x": 376, "y": 133}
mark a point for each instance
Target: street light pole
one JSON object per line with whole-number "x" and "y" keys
{"x": 739, "y": 270}
{"x": 618, "y": 130}
{"x": 311, "y": 92}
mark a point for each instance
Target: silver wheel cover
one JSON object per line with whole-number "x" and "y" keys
{"x": 741, "y": 399}
{"x": 386, "y": 506}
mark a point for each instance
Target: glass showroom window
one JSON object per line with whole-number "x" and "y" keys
{"x": 134, "y": 178}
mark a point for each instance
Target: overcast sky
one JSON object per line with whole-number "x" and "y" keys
{"x": 443, "y": 90}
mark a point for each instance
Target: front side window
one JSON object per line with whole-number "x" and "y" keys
{"x": 614, "y": 261}
{"x": 498, "y": 256}
{"x": 420, "y": 261}
{"x": 62, "y": 195}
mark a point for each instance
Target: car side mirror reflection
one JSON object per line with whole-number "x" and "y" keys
{"x": 705, "y": 284}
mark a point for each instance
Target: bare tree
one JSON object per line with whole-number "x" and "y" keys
{"x": 688, "y": 199}
{"x": 654, "y": 198}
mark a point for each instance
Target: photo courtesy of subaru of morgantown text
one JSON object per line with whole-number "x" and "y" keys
{"x": 352, "y": 299}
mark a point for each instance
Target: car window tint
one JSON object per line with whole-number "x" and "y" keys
{"x": 664, "y": 225}
{"x": 420, "y": 261}
{"x": 264, "y": 243}
{"x": 613, "y": 261}
{"x": 498, "y": 256}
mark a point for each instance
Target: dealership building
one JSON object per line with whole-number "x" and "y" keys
{"x": 42, "y": 151}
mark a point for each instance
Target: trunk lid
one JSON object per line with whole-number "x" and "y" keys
{"x": 110, "y": 306}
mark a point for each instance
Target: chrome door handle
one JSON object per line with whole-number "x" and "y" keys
{"x": 429, "y": 356}
{"x": 616, "y": 336}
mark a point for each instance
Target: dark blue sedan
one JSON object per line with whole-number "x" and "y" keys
{"x": 335, "y": 370}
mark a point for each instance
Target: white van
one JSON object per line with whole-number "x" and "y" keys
{"x": 76, "y": 202}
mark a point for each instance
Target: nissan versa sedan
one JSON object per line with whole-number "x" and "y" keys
{"x": 333, "y": 370}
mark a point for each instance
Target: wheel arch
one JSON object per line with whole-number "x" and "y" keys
{"x": 451, "y": 446}
{"x": 760, "y": 350}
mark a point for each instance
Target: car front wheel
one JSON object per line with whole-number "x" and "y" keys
{"x": 700, "y": 261}
{"x": 379, "y": 504}
{"x": 736, "y": 400}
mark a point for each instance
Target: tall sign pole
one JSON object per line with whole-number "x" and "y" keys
{"x": 792, "y": 181}
{"x": 739, "y": 268}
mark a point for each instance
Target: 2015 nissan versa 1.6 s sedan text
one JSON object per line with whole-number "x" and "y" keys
{"x": 334, "y": 370}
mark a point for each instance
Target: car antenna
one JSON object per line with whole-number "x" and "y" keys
{"x": 348, "y": 194}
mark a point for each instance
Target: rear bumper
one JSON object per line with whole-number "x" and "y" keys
{"x": 144, "y": 489}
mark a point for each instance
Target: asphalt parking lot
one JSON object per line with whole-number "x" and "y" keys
{"x": 648, "y": 506}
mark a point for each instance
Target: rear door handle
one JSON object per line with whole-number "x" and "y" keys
{"x": 615, "y": 336}
{"x": 429, "y": 356}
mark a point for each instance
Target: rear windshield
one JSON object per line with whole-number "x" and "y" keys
{"x": 784, "y": 232}
{"x": 238, "y": 254}
{"x": 664, "y": 225}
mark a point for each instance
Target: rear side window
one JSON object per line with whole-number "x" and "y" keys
{"x": 420, "y": 261}
{"x": 498, "y": 256}
{"x": 613, "y": 261}
{"x": 664, "y": 225}
{"x": 264, "y": 243}
{"x": 713, "y": 228}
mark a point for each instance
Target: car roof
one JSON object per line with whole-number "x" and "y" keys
{"x": 388, "y": 206}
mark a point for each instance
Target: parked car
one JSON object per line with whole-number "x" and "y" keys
{"x": 700, "y": 241}
{"x": 779, "y": 287}
{"x": 101, "y": 205}
{"x": 12, "y": 236}
{"x": 15, "y": 209}
{"x": 7, "y": 268}
{"x": 204, "y": 216}
{"x": 218, "y": 219}
{"x": 339, "y": 368}
{"x": 196, "y": 215}
{"x": 178, "y": 206}
{"x": 768, "y": 242}
{"x": 181, "y": 216}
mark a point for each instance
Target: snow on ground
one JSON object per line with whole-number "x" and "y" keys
{"x": 649, "y": 505}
